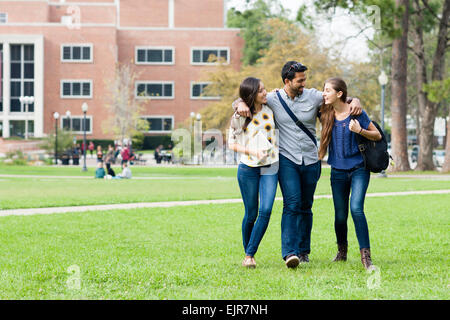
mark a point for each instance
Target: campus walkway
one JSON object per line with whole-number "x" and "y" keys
{"x": 168, "y": 204}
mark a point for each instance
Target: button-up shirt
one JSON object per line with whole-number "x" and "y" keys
{"x": 294, "y": 144}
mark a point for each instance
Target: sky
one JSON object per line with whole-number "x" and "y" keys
{"x": 330, "y": 32}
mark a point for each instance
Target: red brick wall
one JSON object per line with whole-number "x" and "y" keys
{"x": 199, "y": 13}
{"x": 28, "y": 12}
{"x": 88, "y": 14}
{"x": 144, "y": 13}
{"x": 182, "y": 73}
{"x": 108, "y": 42}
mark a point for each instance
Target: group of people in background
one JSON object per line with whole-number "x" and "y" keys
{"x": 105, "y": 161}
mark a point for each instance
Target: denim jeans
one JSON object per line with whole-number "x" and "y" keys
{"x": 298, "y": 184}
{"x": 253, "y": 184}
{"x": 342, "y": 182}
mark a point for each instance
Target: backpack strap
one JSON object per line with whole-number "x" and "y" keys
{"x": 295, "y": 119}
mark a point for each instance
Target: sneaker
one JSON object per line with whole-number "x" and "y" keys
{"x": 304, "y": 258}
{"x": 292, "y": 261}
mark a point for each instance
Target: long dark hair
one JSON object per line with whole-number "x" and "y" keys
{"x": 248, "y": 90}
{"x": 327, "y": 115}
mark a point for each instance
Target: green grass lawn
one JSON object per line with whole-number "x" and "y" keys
{"x": 195, "y": 253}
{"x": 166, "y": 184}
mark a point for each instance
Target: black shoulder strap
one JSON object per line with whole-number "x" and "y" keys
{"x": 295, "y": 119}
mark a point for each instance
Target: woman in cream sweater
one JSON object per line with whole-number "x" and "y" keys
{"x": 256, "y": 141}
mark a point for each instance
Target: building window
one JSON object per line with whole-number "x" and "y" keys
{"x": 76, "y": 89}
{"x": 3, "y": 17}
{"x": 17, "y": 128}
{"x": 209, "y": 55}
{"x": 75, "y": 124}
{"x": 155, "y": 90}
{"x": 22, "y": 76}
{"x": 154, "y": 55}
{"x": 198, "y": 89}
{"x": 160, "y": 123}
{"x": 76, "y": 53}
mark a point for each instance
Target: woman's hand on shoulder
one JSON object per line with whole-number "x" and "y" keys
{"x": 354, "y": 126}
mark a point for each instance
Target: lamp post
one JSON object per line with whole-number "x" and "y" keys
{"x": 26, "y": 101}
{"x": 56, "y": 117}
{"x": 68, "y": 114}
{"x": 382, "y": 80}
{"x": 198, "y": 147}
{"x": 84, "y": 108}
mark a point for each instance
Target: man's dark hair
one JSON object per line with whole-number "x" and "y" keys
{"x": 290, "y": 68}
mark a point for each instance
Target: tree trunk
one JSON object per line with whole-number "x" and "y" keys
{"x": 398, "y": 92}
{"x": 446, "y": 165}
{"x": 438, "y": 70}
{"x": 427, "y": 110}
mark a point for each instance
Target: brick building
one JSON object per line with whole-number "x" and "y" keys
{"x": 61, "y": 51}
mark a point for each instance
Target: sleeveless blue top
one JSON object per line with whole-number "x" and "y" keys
{"x": 343, "y": 152}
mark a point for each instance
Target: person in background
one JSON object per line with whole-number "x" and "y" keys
{"x": 100, "y": 172}
{"x": 91, "y": 148}
{"x": 125, "y": 154}
{"x": 109, "y": 158}
{"x": 99, "y": 153}
{"x": 125, "y": 174}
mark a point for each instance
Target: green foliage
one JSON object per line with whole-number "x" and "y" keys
{"x": 138, "y": 140}
{"x": 364, "y": 8}
{"x": 438, "y": 91}
{"x": 15, "y": 158}
{"x": 253, "y": 24}
{"x": 151, "y": 142}
{"x": 290, "y": 43}
{"x": 65, "y": 141}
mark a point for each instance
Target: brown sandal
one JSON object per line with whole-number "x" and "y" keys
{"x": 249, "y": 262}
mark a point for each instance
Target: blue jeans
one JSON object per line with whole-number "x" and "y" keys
{"x": 298, "y": 184}
{"x": 342, "y": 182}
{"x": 255, "y": 221}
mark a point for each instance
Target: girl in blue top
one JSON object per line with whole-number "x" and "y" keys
{"x": 338, "y": 136}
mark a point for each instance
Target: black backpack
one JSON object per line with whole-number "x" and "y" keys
{"x": 374, "y": 153}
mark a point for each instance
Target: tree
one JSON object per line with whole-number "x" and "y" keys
{"x": 289, "y": 43}
{"x": 393, "y": 16}
{"x": 125, "y": 110}
{"x": 253, "y": 24}
{"x": 424, "y": 20}
{"x": 439, "y": 92}
{"x": 65, "y": 142}
{"x": 399, "y": 95}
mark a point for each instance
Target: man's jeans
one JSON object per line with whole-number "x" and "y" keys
{"x": 298, "y": 184}
{"x": 254, "y": 224}
{"x": 342, "y": 181}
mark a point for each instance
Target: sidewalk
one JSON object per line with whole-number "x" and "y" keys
{"x": 169, "y": 204}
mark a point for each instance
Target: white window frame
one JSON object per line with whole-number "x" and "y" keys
{"x": 209, "y": 48}
{"x": 153, "y": 48}
{"x": 201, "y": 97}
{"x": 82, "y": 45}
{"x": 91, "y": 124}
{"x": 154, "y": 97}
{"x": 62, "y": 81}
{"x": 159, "y": 117}
{"x": 3, "y": 17}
